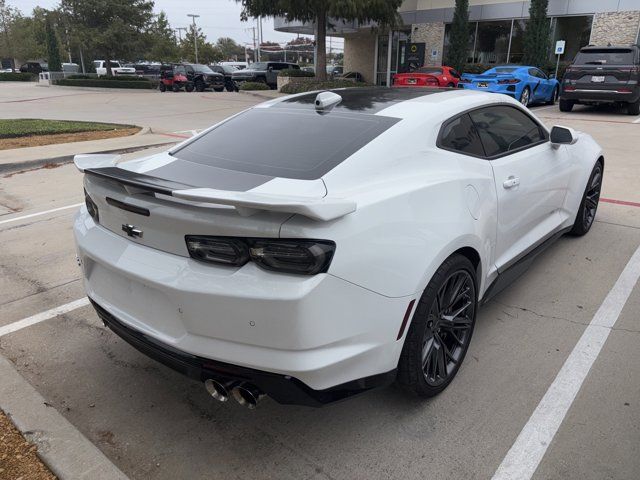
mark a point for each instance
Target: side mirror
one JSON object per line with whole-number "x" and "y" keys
{"x": 563, "y": 136}
{"x": 271, "y": 69}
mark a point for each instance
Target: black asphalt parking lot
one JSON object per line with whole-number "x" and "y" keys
{"x": 154, "y": 423}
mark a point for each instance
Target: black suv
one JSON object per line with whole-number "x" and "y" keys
{"x": 34, "y": 67}
{"x": 203, "y": 77}
{"x": 227, "y": 71}
{"x": 263, "y": 72}
{"x": 603, "y": 75}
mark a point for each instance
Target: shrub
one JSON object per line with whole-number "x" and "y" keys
{"x": 293, "y": 72}
{"x": 475, "y": 68}
{"x": 254, "y": 86}
{"x": 18, "y": 77}
{"x": 311, "y": 86}
{"x": 100, "y": 82}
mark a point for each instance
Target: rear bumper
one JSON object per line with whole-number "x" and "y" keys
{"x": 600, "y": 95}
{"x": 321, "y": 330}
{"x": 282, "y": 388}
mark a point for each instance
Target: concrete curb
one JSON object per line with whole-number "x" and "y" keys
{"x": 33, "y": 164}
{"x": 67, "y": 453}
{"x": 261, "y": 95}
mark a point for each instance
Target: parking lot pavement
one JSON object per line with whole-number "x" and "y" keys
{"x": 163, "y": 112}
{"x": 154, "y": 423}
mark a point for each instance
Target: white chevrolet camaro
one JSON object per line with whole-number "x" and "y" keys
{"x": 320, "y": 245}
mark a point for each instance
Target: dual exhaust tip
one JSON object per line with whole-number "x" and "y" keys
{"x": 245, "y": 394}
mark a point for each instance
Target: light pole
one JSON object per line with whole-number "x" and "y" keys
{"x": 195, "y": 32}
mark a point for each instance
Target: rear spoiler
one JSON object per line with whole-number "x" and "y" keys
{"x": 245, "y": 203}
{"x": 248, "y": 203}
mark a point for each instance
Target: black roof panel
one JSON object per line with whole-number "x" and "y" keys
{"x": 368, "y": 100}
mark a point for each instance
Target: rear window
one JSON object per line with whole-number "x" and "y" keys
{"x": 505, "y": 70}
{"x": 285, "y": 143}
{"x": 605, "y": 56}
{"x": 432, "y": 70}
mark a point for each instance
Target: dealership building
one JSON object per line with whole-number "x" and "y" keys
{"x": 496, "y": 33}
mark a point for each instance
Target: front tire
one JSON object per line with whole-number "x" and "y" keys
{"x": 589, "y": 204}
{"x": 525, "y": 97}
{"x": 441, "y": 329}
{"x": 566, "y": 105}
{"x": 199, "y": 86}
{"x": 189, "y": 87}
{"x": 554, "y": 97}
{"x": 162, "y": 87}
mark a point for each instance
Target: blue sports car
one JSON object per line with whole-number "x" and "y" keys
{"x": 525, "y": 84}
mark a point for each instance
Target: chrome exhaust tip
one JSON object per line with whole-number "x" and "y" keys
{"x": 247, "y": 395}
{"x": 219, "y": 390}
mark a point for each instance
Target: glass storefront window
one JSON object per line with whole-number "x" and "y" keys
{"x": 447, "y": 41}
{"x": 517, "y": 41}
{"x": 576, "y": 31}
{"x": 492, "y": 43}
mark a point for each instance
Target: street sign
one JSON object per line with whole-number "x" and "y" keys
{"x": 560, "y": 47}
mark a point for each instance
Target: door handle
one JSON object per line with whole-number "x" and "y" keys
{"x": 511, "y": 182}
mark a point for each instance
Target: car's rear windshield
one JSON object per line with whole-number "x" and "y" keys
{"x": 429, "y": 70}
{"x": 605, "y": 56}
{"x": 285, "y": 142}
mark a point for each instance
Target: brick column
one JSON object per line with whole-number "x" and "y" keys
{"x": 432, "y": 35}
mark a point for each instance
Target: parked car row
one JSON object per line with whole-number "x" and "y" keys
{"x": 598, "y": 75}
{"x": 190, "y": 76}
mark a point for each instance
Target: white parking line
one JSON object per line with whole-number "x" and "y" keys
{"x": 525, "y": 455}
{"x": 636, "y": 121}
{"x": 41, "y": 317}
{"x": 40, "y": 213}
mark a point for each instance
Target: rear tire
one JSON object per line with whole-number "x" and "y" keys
{"x": 589, "y": 204}
{"x": 176, "y": 87}
{"x": 162, "y": 87}
{"x": 554, "y": 97}
{"x": 199, "y": 86}
{"x": 525, "y": 97}
{"x": 441, "y": 329}
{"x": 189, "y": 87}
{"x": 566, "y": 105}
{"x": 633, "y": 108}
{"x": 451, "y": 85}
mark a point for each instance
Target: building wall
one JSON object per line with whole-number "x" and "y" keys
{"x": 432, "y": 35}
{"x": 359, "y": 54}
{"x": 616, "y": 28}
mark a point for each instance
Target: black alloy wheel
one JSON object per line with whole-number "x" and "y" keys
{"x": 589, "y": 205}
{"x": 441, "y": 329}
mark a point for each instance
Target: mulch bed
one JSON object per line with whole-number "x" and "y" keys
{"x": 38, "y": 140}
{"x": 18, "y": 459}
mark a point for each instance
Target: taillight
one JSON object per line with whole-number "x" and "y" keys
{"x": 568, "y": 88}
{"x": 509, "y": 81}
{"x": 306, "y": 257}
{"x": 92, "y": 208}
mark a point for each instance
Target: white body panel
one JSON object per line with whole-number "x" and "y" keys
{"x": 396, "y": 209}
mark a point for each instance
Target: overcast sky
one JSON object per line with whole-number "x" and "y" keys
{"x": 218, "y": 18}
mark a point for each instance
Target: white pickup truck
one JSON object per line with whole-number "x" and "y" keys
{"x": 116, "y": 69}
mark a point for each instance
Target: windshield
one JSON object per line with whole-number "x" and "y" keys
{"x": 320, "y": 143}
{"x": 429, "y": 70}
{"x": 258, "y": 66}
{"x": 605, "y": 56}
{"x": 179, "y": 69}
{"x": 202, "y": 68}
{"x": 228, "y": 69}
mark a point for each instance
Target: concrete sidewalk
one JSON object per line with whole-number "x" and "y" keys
{"x": 33, "y": 157}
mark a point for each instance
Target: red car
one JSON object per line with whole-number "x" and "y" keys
{"x": 428, "y": 77}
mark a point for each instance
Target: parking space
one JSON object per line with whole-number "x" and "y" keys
{"x": 154, "y": 423}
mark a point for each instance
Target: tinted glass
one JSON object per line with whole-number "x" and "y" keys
{"x": 504, "y": 129}
{"x": 256, "y": 142}
{"x": 202, "y": 68}
{"x": 502, "y": 70}
{"x": 605, "y": 56}
{"x": 258, "y": 66}
{"x": 435, "y": 71}
{"x": 461, "y": 135}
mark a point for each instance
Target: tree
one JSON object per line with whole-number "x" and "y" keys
{"x": 53, "y": 50}
{"x": 383, "y": 12}
{"x": 112, "y": 29}
{"x": 161, "y": 41}
{"x": 229, "y": 49}
{"x": 459, "y": 36}
{"x": 536, "y": 35}
{"x": 207, "y": 53}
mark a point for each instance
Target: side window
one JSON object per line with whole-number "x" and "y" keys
{"x": 454, "y": 73}
{"x": 533, "y": 72}
{"x": 541, "y": 74}
{"x": 460, "y": 135}
{"x": 504, "y": 129}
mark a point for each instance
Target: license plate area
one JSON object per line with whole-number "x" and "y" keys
{"x": 483, "y": 85}
{"x": 597, "y": 78}
{"x": 411, "y": 81}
